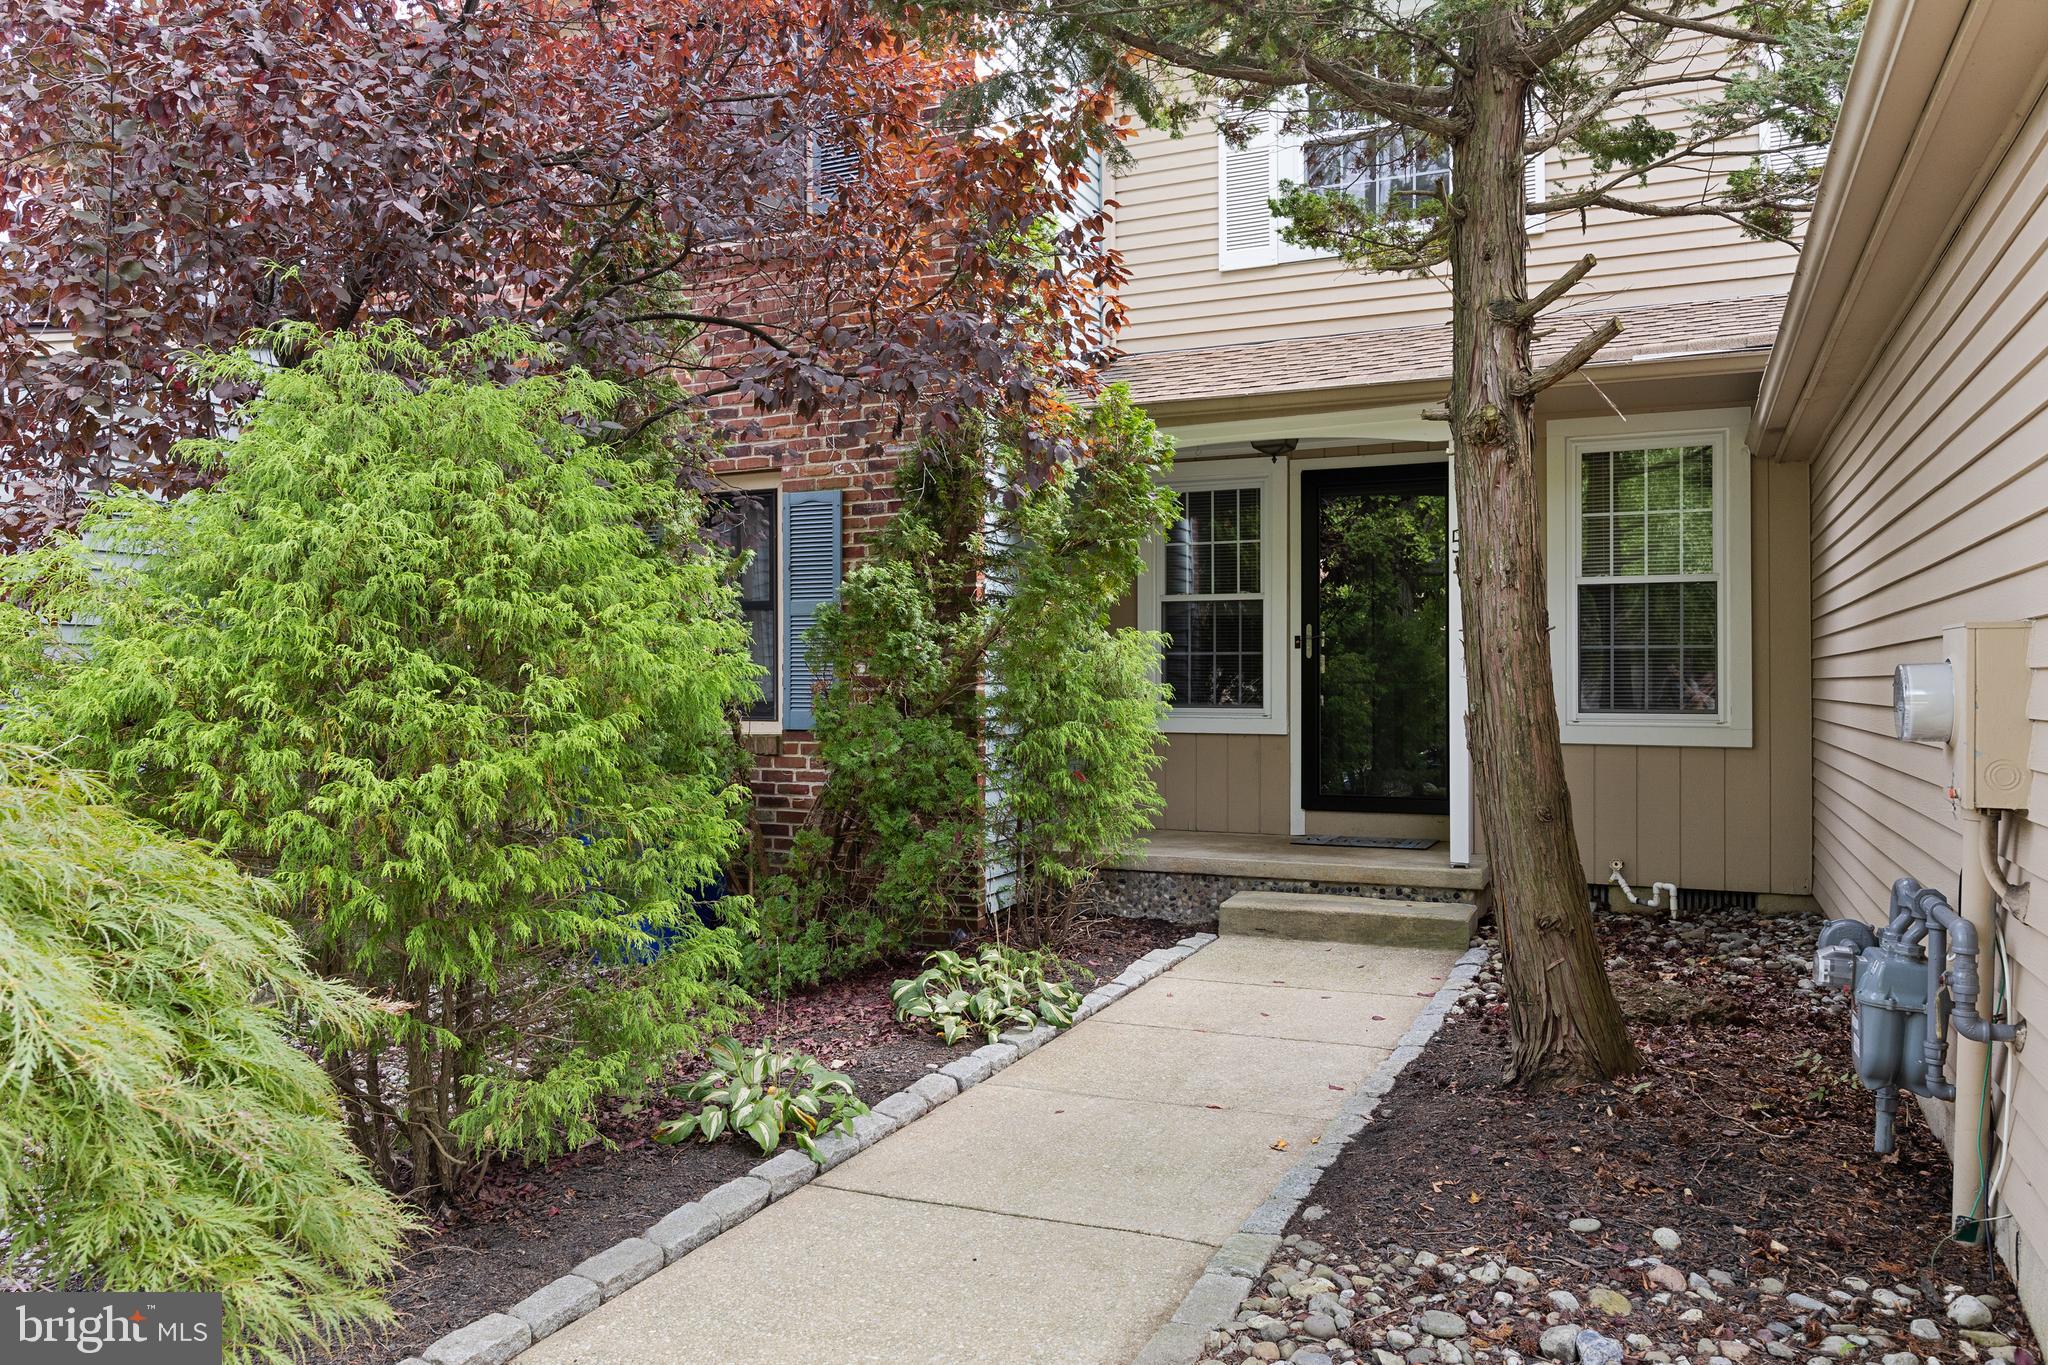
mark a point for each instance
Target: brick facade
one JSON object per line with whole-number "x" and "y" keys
{"x": 805, "y": 453}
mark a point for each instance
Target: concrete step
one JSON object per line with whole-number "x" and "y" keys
{"x": 1271, "y": 858}
{"x": 1349, "y": 919}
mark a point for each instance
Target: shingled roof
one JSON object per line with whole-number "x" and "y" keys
{"x": 1398, "y": 355}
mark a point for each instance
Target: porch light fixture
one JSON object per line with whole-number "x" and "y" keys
{"x": 1273, "y": 450}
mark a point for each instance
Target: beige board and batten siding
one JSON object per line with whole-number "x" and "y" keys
{"x": 1722, "y": 819}
{"x": 1711, "y": 819}
{"x": 1167, "y": 224}
{"x": 1227, "y": 784}
{"x": 1930, "y": 510}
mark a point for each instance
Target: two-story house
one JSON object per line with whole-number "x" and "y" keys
{"x": 1792, "y": 474}
{"x": 1311, "y": 588}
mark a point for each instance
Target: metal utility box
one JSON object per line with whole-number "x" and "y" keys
{"x": 1991, "y": 726}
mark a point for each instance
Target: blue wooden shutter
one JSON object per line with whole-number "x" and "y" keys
{"x": 811, "y": 569}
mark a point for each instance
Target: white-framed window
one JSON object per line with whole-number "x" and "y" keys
{"x": 1377, "y": 164}
{"x": 1382, "y": 166}
{"x": 1650, "y": 578}
{"x": 1215, "y": 585}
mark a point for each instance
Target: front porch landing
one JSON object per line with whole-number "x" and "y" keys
{"x": 1270, "y": 857}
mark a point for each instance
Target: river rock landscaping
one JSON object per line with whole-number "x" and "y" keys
{"x": 1723, "y": 1208}
{"x": 525, "y": 1226}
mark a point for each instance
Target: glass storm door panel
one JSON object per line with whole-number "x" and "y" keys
{"x": 1375, "y": 642}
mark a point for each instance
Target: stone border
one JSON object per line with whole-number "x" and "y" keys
{"x": 497, "y": 1338}
{"x": 1228, "y": 1278}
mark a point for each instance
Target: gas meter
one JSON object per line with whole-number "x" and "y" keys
{"x": 1909, "y": 983}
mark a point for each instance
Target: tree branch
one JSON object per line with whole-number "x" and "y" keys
{"x": 1591, "y": 195}
{"x": 1567, "y": 36}
{"x": 1519, "y": 311}
{"x": 1408, "y": 105}
{"x": 1530, "y": 384}
{"x": 1668, "y": 19}
{"x": 1569, "y": 127}
{"x": 1642, "y": 210}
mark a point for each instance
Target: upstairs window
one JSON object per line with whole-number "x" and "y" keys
{"x": 1381, "y": 167}
{"x": 1327, "y": 150}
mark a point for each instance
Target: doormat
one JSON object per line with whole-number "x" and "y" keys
{"x": 1360, "y": 841}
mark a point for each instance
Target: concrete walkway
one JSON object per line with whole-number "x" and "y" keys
{"x": 1058, "y": 1211}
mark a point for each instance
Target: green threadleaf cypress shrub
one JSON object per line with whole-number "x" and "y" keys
{"x": 420, "y": 657}
{"x": 159, "y": 1128}
{"x": 983, "y": 710}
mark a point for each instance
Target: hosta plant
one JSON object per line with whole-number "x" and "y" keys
{"x": 766, "y": 1096}
{"x": 998, "y": 988}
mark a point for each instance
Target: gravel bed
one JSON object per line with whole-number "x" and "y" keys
{"x": 1721, "y": 1209}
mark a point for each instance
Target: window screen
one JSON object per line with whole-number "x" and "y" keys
{"x": 1212, "y": 602}
{"x": 1648, "y": 584}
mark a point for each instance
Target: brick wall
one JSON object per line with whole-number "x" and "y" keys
{"x": 805, "y": 453}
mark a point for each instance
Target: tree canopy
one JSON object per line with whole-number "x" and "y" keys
{"x": 706, "y": 199}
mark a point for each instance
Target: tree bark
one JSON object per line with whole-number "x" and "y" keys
{"x": 1566, "y": 1026}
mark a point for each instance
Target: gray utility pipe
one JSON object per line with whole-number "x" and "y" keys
{"x": 1950, "y": 934}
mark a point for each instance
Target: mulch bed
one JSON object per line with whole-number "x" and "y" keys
{"x": 1747, "y": 1135}
{"x": 530, "y": 1225}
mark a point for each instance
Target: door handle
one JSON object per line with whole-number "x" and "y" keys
{"x": 1306, "y": 642}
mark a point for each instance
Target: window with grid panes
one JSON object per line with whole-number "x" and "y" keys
{"x": 1648, "y": 586}
{"x": 1382, "y": 166}
{"x": 1212, "y": 602}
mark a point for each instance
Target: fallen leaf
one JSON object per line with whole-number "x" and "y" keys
{"x": 1280, "y": 1145}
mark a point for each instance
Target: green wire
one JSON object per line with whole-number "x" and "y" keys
{"x": 1968, "y": 1230}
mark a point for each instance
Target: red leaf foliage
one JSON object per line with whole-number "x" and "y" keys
{"x": 637, "y": 179}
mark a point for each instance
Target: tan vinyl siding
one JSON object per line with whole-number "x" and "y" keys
{"x": 1930, "y": 509}
{"x": 1167, "y": 224}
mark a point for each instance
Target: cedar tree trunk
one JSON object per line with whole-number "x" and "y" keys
{"x": 1565, "y": 1024}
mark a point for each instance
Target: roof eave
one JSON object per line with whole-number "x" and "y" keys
{"x": 1938, "y": 91}
{"x": 1677, "y": 364}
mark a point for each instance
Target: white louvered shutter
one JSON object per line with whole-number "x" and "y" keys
{"x": 834, "y": 165}
{"x": 1533, "y": 190}
{"x": 811, "y": 573}
{"x": 1776, "y": 150}
{"x": 1248, "y": 177}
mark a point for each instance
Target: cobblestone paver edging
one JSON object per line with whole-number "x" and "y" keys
{"x": 496, "y": 1338}
{"x": 1228, "y": 1278}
